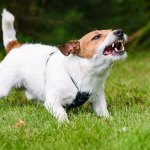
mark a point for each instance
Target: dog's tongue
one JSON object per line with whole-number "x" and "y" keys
{"x": 108, "y": 51}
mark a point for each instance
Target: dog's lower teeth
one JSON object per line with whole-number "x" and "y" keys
{"x": 116, "y": 49}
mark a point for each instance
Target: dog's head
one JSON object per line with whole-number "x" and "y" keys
{"x": 103, "y": 44}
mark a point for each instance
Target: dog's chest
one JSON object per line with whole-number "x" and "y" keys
{"x": 89, "y": 85}
{"x": 81, "y": 96}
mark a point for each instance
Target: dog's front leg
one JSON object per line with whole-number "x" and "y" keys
{"x": 99, "y": 104}
{"x": 53, "y": 105}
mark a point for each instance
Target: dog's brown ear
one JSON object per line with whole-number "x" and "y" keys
{"x": 72, "y": 47}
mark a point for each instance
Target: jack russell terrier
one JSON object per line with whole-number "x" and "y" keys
{"x": 63, "y": 76}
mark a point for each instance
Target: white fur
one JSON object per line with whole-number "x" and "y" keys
{"x": 9, "y": 33}
{"x": 50, "y": 82}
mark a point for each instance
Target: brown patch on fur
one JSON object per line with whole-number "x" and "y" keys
{"x": 88, "y": 46}
{"x": 11, "y": 45}
{"x": 85, "y": 47}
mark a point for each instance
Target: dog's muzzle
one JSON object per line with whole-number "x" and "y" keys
{"x": 117, "y": 47}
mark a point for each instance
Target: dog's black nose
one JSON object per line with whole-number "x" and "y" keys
{"x": 118, "y": 32}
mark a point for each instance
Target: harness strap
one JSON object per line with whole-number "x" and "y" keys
{"x": 81, "y": 97}
{"x": 74, "y": 83}
{"x": 49, "y": 58}
{"x": 47, "y": 63}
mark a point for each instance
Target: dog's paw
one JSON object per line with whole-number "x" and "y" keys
{"x": 63, "y": 118}
{"x": 104, "y": 114}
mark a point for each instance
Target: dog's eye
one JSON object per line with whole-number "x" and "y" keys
{"x": 96, "y": 37}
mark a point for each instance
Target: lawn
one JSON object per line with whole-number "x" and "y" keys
{"x": 128, "y": 95}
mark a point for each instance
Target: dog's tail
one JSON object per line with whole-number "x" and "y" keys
{"x": 9, "y": 33}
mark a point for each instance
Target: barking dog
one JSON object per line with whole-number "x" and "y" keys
{"x": 63, "y": 76}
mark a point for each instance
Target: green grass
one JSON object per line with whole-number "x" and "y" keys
{"x": 128, "y": 95}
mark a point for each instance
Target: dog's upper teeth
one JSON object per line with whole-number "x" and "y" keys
{"x": 122, "y": 47}
{"x": 113, "y": 45}
{"x": 119, "y": 41}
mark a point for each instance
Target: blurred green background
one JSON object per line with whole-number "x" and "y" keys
{"x": 127, "y": 88}
{"x": 55, "y": 21}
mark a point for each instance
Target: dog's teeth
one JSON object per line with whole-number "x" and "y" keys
{"x": 116, "y": 49}
{"x": 122, "y": 48}
{"x": 113, "y": 45}
{"x": 119, "y": 41}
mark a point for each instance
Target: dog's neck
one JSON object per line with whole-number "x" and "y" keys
{"x": 86, "y": 73}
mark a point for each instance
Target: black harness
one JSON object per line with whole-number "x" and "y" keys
{"x": 81, "y": 97}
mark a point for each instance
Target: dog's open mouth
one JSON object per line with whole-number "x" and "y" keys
{"x": 116, "y": 48}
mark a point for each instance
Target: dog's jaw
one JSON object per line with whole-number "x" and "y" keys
{"x": 108, "y": 50}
